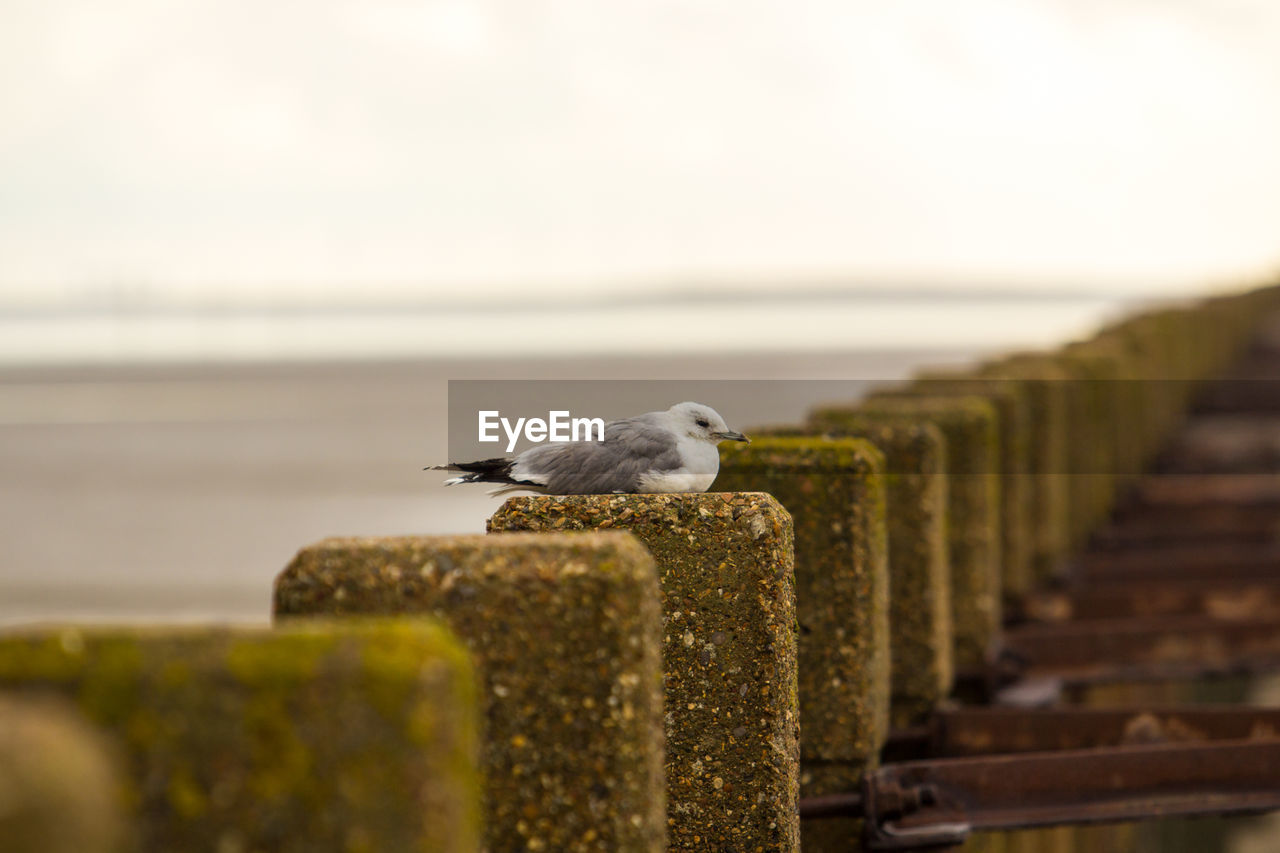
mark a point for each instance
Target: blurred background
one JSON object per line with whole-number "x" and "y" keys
{"x": 243, "y": 246}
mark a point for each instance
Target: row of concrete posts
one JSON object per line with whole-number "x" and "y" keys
{"x": 616, "y": 672}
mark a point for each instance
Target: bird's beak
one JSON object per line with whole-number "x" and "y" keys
{"x": 732, "y": 436}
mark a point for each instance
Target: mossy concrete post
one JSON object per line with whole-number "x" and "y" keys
{"x": 1013, "y": 426}
{"x": 565, "y": 630}
{"x": 1046, "y": 387}
{"x": 1222, "y": 327}
{"x": 59, "y": 788}
{"x": 316, "y": 738}
{"x": 726, "y": 570}
{"x": 1090, "y": 449}
{"x": 835, "y": 492}
{"x": 1095, "y": 445}
{"x": 1128, "y": 416}
{"x": 973, "y": 506}
{"x": 915, "y": 486}
{"x": 1087, "y": 448}
{"x": 1158, "y": 382}
{"x": 1181, "y": 330}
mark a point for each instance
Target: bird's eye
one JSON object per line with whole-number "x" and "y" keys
{"x": 703, "y": 423}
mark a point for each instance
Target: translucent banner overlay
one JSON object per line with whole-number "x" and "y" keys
{"x": 1068, "y": 426}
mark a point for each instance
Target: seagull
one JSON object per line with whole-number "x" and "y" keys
{"x": 671, "y": 451}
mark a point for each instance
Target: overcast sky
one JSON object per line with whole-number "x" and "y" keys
{"x": 363, "y": 148}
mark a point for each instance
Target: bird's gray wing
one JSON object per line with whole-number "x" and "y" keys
{"x": 632, "y": 447}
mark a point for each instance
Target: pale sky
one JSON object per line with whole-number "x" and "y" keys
{"x": 357, "y": 149}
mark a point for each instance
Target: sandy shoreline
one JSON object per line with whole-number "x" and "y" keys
{"x": 176, "y": 492}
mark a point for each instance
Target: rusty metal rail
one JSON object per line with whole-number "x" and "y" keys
{"x": 1241, "y": 564}
{"x": 1230, "y": 599}
{"x": 1256, "y": 390}
{"x": 918, "y": 805}
{"x": 1142, "y": 649}
{"x": 1183, "y": 583}
{"x": 1260, "y": 524}
{"x": 984, "y": 731}
{"x": 1182, "y": 556}
{"x": 1238, "y": 493}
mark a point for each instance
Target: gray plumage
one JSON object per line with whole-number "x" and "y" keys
{"x": 631, "y": 447}
{"x": 671, "y": 451}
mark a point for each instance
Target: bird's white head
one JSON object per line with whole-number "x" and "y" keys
{"x": 703, "y": 423}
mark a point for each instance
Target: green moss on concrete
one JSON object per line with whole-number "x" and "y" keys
{"x": 290, "y": 660}
{"x": 834, "y": 491}
{"x": 257, "y": 740}
{"x": 831, "y": 835}
{"x": 1160, "y": 339}
{"x": 726, "y": 569}
{"x": 920, "y": 627}
{"x": 1046, "y": 387}
{"x": 59, "y": 787}
{"x": 1013, "y": 428}
{"x": 986, "y": 842}
{"x": 1126, "y": 416}
{"x": 1082, "y": 397}
{"x": 1093, "y": 447}
{"x": 973, "y": 505}
{"x": 565, "y": 629}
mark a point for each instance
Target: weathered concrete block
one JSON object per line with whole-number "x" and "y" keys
{"x": 835, "y": 492}
{"x": 985, "y": 842}
{"x": 1083, "y": 447}
{"x": 313, "y": 738}
{"x": 920, "y": 628}
{"x": 1125, "y": 419}
{"x": 973, "y": 505}
{"x": 726, "y": 570}
{"x": 1013, "y": 428}
{"x": 1045, "y": 385}
{"x": 59, "y": 791}
{"x": 1092, "y": 447}
{"x": 1161, "y": 391}
{"x": 565, "y": 630}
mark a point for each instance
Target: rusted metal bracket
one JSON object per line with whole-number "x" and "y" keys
{"x": 1228, "y": 600}
{"x": 1214, "y": 561}
{"x": 1103, "y": 650}
{"x": 1226, "y": 524}
{"x": 1174, "y": 524}
{"x": 931, "y": 804}
{"x": 987, "y": 731}
{"x": 1200, "y": 492}
{"x": 1183, "y": 582}
{"x": 1040, "y": 660}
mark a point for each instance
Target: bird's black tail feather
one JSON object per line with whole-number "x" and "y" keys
{"x": 482, "y": 471}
